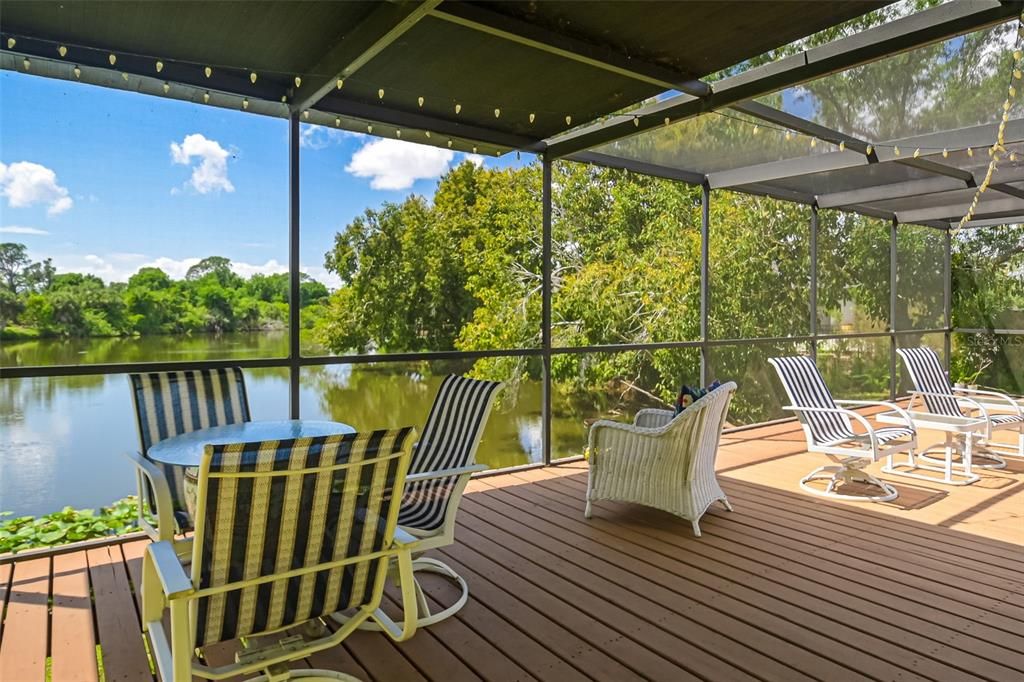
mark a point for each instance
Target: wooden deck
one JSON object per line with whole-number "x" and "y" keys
{"x": 787, "y": 587}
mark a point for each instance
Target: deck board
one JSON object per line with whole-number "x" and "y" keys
{"x": 786, "y": 587}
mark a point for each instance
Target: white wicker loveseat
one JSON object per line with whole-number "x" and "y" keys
{"x": 661, "y": 460}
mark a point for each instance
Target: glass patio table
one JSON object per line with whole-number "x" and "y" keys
{"x": 186, "y": 450}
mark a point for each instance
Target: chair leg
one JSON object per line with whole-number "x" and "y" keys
{"x": 696, "y": 528}
{"x": 725, "y": 503}
{"x": 588, "y": 511}
{"x": 850, "y": 469}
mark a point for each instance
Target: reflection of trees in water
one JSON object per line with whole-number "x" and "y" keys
{"x": 16, "y": 394}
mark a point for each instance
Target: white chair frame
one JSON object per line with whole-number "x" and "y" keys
{"x": 662, "y": 460}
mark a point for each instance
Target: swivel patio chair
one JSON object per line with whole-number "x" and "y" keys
{"x": 443, "y": 461}
{"x": 829, "y": 430}
{"x": 998, "y": 410}
{"x": 662, "y": 460}
{"x": 169, "y": 404}
{"x": 287, "y": 532}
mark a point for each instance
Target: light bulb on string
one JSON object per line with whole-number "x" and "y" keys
{"x": 159, "y": 66}
{"x": 458, "y": 109}
{"x": 474, "y": 150}
{"x": 869, "y": 149}
{"x": 208, "y": 71}
{"x": 896, "y": 151}
{"x": 814, "y": 142}
{"x": 380, "y": 93}
{"x": 11, "y": 42}
{"x": 112, "y": 58}
{"x": 26, "y": 63}
{"x": 757, "y": 129}
{"x": 398, "y": 132}
{"x": 427, "y": 133}
{"x": 568, "y": 120}
{"x": 337, "y": 122}
{"x": 420, "y": 101}
{"x": 789, "y": 135}
{"x": 77, "y": 71}
{"x": 533, "y": 117}
{"x": 124, "y": 76}
{"x": 667, "y": 120}
{"x": 369, "y": 129}
{"x": 449, "y": 144}
{"x": 497, "y": 113}
{"x": 305, "y": 114}
{"x": 245, "y": 103}
{"x": 842, "y": 145}
{"x": 206, "y": 97}
{"x": 917, "y": 152}
{"x": 167, "y": 87}
{"x": 253, "y": 77}
{"x": 636, "y": 121}
{"x": 970, "y": 151}
{"x": 945, "y": 153}
{"x": 62, "y": 51}
{"x": 340, "y": 82}
{"x": 298, "y": 81}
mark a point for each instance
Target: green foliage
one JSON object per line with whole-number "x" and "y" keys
{"x": 211, "y": 298}
{"x": 67, "y": 525}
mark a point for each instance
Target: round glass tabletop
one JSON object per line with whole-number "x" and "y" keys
{"x": 187, "y": 449}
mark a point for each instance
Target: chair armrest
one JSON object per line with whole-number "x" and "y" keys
{"x": 857, "y": 416}
{"x": 1002, "y": 397}
{"x": 904, "y": 414}
{"x": 168, "y": 568}
{"x": 164, "y": 506}
{"x": 446, "y": 473}
{"x": 974, "y": 403}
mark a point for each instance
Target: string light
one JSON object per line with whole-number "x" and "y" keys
{"x": 245, "y": 103}
{"x": 917, "y": 152}
{"x": 337, "y": 121}
{"x": 208, "y": 71}
{"x": 112, "y": 59}
{"x": 78, "y": 72}
{"x": 449, "y": 144}
{"x": 340, "y": 83}
{"x": 124, "y": 76}
{"x": 789, "y": 135}
{"x": 814, "y": 142}
{"x": 636, "y": 121}
{"x": 11, "y": 42}
{"x": 380, "y": 94}
{"x": 896, "y": 151}
{"x": 458, "y": 109}
{"x": 159, "y": 66}
{"x": 667, "y": 120}
{"x": 427, "y": 133}
{"x": 398, "y": 132}
{"x": 206, "y": 97}
{"x": 842, "y": 145}
{"x": 253, "y": 77}
{"x": 369, "y": 129}
{"x": 497, "y": 113}
{"x": 869, "y": 149}
{"x": 568, "y": 120}
{"x": 298, "y": 81}
{"x": 757, "y": 128}
{"x": 305, "y": 114}
{"x": 533, "y": 117}
{"x": 420, "y": 101}
{"x": 26, "y": 63}
{"x": 945, "y": 153}
{"x": 167, "y": 87}
{"x": 62, "y": 51}
{"x": 474, "y": 150}
{"x": 970, "y": 151}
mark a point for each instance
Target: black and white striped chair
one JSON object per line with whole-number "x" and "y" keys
{"x": 443, "y": 461}
{"x": 169, "y": 404}
{"x": 829, "y": 430}
{"x": 287, "y": 532}
{"x": 999, "y": 411}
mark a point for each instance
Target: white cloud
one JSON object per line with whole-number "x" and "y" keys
{"x": 211, "y": 173}
{"x": 394, "y": 164}
{"x": 19, "y": 229}
{"x": 25, "y": 184}
{"x": 320, "y": 137}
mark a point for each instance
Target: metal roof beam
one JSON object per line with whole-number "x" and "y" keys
{"x": 385, "y": 24}
{"x": 602, "y": 57}
{"x": 374, "y": 113}
{"x": 991, "y": 209}
{"x": 993, "y": 222}
{"x": 978, "y": 136}
{"x": 908, "y": 33}
{"x": 608, "y": 161}
{"x": 896, "y": 190}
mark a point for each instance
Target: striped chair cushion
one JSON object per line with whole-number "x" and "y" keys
{"x": 928, "y": 376}
{"x": 319, "y": 500}
{"x": 450, "y": 438}
{"x": 172, "y": 403}
{"x": 806, "y": 388}
{"x": 999, "y": 419}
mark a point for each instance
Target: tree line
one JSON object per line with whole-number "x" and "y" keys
{"x": 36, "y": 300}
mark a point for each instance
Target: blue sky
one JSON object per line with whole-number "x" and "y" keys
{"x": 106, "y": 181}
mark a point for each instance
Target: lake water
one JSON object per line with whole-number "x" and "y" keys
{"x": 62, "y": 439}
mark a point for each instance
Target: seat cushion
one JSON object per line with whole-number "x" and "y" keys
{"x": 1006, "y": 419}
{"x": 891, "y": 433}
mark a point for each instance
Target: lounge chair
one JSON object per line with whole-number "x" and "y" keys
{"x": 998, "y": 410}
{"x": 829, "y": 430}
{"x": 169, "y": 404}
{"x": 287, "y": 532}
{"x": 443, "y": 461}
{"x": 662, "y": 460}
